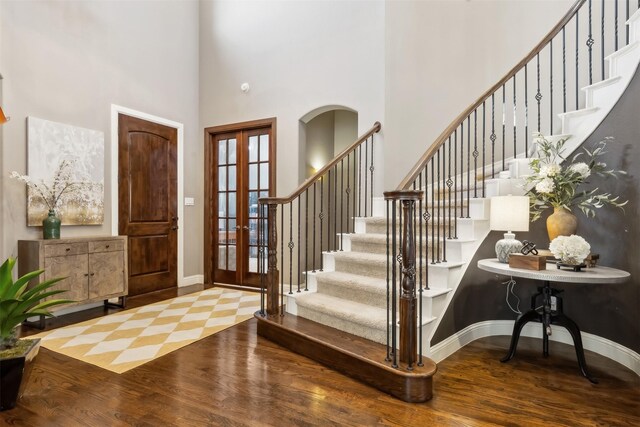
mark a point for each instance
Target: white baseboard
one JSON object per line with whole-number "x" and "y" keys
{"x": 602, "y": 346}
{"x": 191, "y": 280}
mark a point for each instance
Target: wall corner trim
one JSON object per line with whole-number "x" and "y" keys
{"x": 595, "y": 343}
{"x": 196, "y": 279}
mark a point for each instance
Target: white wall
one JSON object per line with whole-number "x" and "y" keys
{"x": 68, "y": 61}
{"x": 441, "y": 55}
{"x": 297, "y": 56}
{"x": 345, "y": 129}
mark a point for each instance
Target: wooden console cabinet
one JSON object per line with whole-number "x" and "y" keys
{"x": 95, "y": 268}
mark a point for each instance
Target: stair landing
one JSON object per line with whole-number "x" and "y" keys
{"x": 354, "y": 356}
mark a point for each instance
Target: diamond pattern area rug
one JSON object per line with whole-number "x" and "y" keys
{"x": 128, "y": 339}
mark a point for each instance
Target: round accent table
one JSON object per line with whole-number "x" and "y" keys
{"x": 546, "y": 313}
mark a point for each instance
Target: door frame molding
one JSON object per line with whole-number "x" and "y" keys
{"x": 209, "y": 133}
{"x": 115, "y": 110}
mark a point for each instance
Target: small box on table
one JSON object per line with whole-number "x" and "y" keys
{"x": 528, "y": 262}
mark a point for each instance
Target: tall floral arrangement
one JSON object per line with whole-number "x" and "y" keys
{"x": 553, "y": 184}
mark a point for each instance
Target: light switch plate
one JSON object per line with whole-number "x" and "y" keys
{"x": 189, "y": 201}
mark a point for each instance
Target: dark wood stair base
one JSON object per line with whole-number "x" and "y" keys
{"x": 349, "y": 354}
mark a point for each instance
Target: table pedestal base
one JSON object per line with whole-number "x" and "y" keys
{"x": 548, "y": 317}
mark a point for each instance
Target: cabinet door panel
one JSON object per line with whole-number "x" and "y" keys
{"x": 106, "y": 271}
{"x": 74, "y": 268}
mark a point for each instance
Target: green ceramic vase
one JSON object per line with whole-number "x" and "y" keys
{"x": 51, "y": 226}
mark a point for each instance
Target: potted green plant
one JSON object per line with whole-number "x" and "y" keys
{"x": 18, "y": 302}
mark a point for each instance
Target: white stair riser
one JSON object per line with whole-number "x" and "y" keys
{"x": 603, "y": 94}
{"x": 479, "y": 208}
{"x": 440, "y": 277}
{"x": 578, "y": 124}
{"x": 622, "y": 63}
{"x": 469, "y": 229}
{"x": 459, "y": 250}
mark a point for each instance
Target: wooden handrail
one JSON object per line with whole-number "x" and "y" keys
{"x": 419, "y": 166}
{"x": 313, "y": 178}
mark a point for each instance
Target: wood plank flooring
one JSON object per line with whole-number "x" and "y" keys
{"x": 235, "y": 378}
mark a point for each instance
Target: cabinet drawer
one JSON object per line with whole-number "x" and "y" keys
{"x": 65, "y": 249}
{"x": 106, "y": 246}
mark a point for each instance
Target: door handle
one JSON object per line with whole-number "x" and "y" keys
{"x": 246, "y": 227}
{"x": 175, "y": 227}
{"x": 237, "y": 227}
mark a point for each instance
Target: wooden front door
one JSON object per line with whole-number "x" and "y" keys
{"x": 147, "y": 192}
{"x": 240, "y": 168}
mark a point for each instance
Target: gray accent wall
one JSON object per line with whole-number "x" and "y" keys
{"x": 609, "y": 311}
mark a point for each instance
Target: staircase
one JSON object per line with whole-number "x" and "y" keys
{"x": 350, "y": 292}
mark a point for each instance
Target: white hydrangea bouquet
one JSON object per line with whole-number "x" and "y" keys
{"x": 555, "y": 185}
{"x": 570, "y": 250}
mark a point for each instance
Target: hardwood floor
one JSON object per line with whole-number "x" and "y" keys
{"x": 237, "y": 378}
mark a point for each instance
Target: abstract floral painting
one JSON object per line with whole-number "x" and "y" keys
{"x": 81, "y": 152}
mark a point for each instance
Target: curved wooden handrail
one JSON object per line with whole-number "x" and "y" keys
{"x": 309, "y": 181}
{"x": 419, "y": 166}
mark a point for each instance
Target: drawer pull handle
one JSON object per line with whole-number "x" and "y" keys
{"x": 108, "y": 246}
{"x": 68, "y": 249}
{"x": 92, "y": 274}
{"x": 86, "y": 274}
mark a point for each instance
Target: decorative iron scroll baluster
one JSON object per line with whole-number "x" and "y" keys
{"x": 442, "y": 220}
{"x": 314, "y": 225}
{"x": 615, "y": 20}
{"x": 433, "y": 215}
{"x": 469, "y": 162}
{"x": 354, "y": 191}
{"x": 348, "y": 191}
{"x": 564, "y": 70}
{"x": 420, "y": 220}
{"x": 360, "y": 180}
{"x": 590, "y": 43}
{"x": 627, "y": 27}
{"x": 538, "y": 94}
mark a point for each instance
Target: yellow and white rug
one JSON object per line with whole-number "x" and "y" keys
{"x": 124, "y": 340}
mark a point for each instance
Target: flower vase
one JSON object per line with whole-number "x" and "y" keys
{"x": 561, "y": 223}
{"x": 51, "y": 226}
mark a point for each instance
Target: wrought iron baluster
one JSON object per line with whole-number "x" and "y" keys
{"x": 360, "y": 180}
{"x": 291, "y": 246}
{"x": 433, "y": 215}
{"x": 306, "y": 239}
{"x": 348, "y": 191}
{"x": 590, "y": 43}
{"x": 449, "y": 184}
{"x": 626, "y": 26}
{"x": 461, "y": 189}
{"x": 442, "y": 220}
{"x": 526, "y": 111}
{"x": 420, "y": 219}
{"x": 504, "y": 123}
{"x": 298, "y": 245}
{"x": 615, "y": 20}
{"x": 455, "y": 177}
{"x": 366, "y": 159}
{"x": 341, "y": 203}
{"x": 564, "y": 70}
{"x": 602, "y": 40}
{"x": 371, "y": 169}
{"x": 314, "y": 226}
{"x": 484, "y": 124}
{"x": 577, "y": 58}
{"x": 469, "y": 162}
{"x": 538, "y": 94}
{"x": 282, "y": 256}
{"x": 321, "y": 216}
{"x": 493, "y": 135}
{"x": 551, "y": 87}
{"x": 436, "y": 184}
{"x": 335, "y": 208}
{"x": 515, "y": 118}
{"x": 329, "y": 211}
{"x": 355, "y": 169}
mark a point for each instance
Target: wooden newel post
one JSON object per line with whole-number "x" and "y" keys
{"x": 273, "y": 308}
{"x": 408, "y": 310}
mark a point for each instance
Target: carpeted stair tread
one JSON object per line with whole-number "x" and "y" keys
{"x": 353, "y": 287}
{"x": 349, "y": 316}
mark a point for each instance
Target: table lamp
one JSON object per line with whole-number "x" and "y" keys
{"x": 509, "y": 213}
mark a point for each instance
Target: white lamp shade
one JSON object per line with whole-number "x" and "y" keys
{"x": 509, "y": 213}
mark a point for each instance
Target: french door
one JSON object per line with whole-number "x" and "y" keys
{"x": 240, "y": 169}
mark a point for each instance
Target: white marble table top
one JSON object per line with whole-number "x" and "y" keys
{"x": 595, "y": 275}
